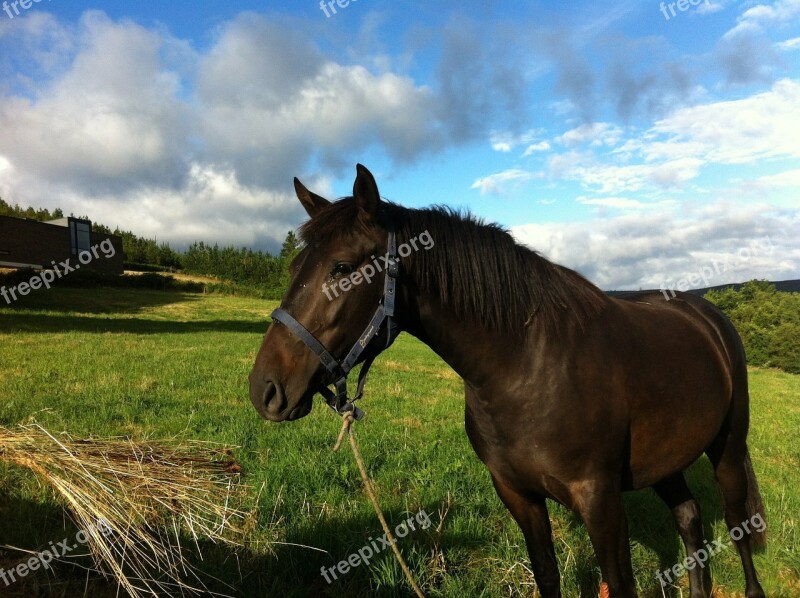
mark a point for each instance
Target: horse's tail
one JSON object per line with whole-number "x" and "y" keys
{"x": 754, "y": 505}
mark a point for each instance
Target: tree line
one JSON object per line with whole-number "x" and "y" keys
{"x": 241, "y": 270}
{"x": 767, "y": 320}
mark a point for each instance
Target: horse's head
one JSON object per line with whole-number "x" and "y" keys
{"x": 337, "y": 281}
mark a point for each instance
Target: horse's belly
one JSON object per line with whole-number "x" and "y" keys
{"x": 673, "y": 432}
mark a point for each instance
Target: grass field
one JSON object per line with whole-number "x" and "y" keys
{"x": 155, "y": 364}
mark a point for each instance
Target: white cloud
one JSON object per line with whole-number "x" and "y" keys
{"x": 541, "y": 146}
{"x": 789, "y": 44}
{"x": 112, "y": 118}
{"x": 125, "y": 115}
{"x": 761, "y": 16}
{"x": 677, "y": 148}
{"x": 595, "y": 134}
{"x": 500, "y": 182}
{"x": 707, "y": 8}
{"x": 761, "y": 126}
{"x": 210, "y": 204}
{"x": 268, "y": 100}
{"x": 612, "y": 202}
{"x": 654, "y": 248}
{"x": 610, "y": 178}
{"x": 503, "y": 141}
{"x": 789, "y": 179}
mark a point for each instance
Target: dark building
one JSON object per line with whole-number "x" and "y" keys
{"x": 26, "y": 243}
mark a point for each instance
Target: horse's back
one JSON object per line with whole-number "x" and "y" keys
{"x": 699, "y": 310}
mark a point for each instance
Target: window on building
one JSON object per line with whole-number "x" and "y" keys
{"x": 80, "y": 233}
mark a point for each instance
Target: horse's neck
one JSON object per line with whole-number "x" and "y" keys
{"x": 473, "y": 352}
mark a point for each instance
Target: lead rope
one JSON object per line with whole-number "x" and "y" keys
{"x": 347, "y": 422}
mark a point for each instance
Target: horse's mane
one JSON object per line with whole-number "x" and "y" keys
{"x": 475, "y": 269}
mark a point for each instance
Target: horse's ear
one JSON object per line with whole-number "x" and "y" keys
{"x": 312, "y": 202}
{"x": 365, "y": 190}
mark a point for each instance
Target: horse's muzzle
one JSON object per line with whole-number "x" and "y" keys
{"x": 269, "y": 399}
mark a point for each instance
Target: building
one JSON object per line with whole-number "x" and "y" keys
{"x": 26, "y": 243}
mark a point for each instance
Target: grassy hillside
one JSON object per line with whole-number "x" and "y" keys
{"x": 147, "y": 363}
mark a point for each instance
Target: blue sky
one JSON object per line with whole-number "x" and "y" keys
{"x": 634, "y": 141}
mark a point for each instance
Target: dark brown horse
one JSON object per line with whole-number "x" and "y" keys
{"x": 570, "y": 395}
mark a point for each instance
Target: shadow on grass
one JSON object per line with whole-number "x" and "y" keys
{"x": 290, "y": 571}
{"x": 25, "y": 322}
{"x": 293, "y": 570}
{"x": 650, "y": 524}
{"x": 96, "y": 301}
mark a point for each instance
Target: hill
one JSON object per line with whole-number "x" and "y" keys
{"x": 784, "y": 286}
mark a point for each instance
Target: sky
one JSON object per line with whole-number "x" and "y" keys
{"x": 644, "y": 144}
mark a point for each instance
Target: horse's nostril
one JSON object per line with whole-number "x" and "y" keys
{"x": 268, "y": 393}
{"x": 267, "y": 397}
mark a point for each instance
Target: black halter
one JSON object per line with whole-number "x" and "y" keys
{"x": 339, "y": 401}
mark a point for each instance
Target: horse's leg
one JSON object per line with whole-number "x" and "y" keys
{"x": 731, "y": 460}
{"x": 730, "y": 467}
{"x": 531, "y": 515}
{"x": 599, "y": 503}
{"x": 676, "y": 494}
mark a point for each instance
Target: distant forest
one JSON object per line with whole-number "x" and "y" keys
{"x": 243, "y": 269}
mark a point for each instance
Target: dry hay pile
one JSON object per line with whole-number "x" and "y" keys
{"x": 134, "y": 501}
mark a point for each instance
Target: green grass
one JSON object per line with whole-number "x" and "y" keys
{"x": 146, "y": 363}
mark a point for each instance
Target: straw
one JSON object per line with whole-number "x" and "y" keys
{"x": 134, "y": 502}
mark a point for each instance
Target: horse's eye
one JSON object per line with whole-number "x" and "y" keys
{"x": 342, "y": 269}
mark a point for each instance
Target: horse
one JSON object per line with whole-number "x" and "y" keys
{"x": 570, "y": 395}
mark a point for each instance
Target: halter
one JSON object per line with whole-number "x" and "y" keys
{"x": 339, "y": 401}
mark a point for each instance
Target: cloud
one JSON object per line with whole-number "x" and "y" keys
{"x": 746, "y": 59}
{"x": 595, "y": 134}
{"x": 110, "y": 121}
{"x": 602, "y": 177}
{"x": 622, "y": 203}
{"x": 541, "y": 146}
{"x": 761, "y": 16}
{"x": 504, "y": 141}
{"x": 106, "y": 116}
{"x": 789, "y": 44}
{"x": 789, "y": 179}
{"x": 648, "y": 250}
{"x": 500, "y": 182}
{"x": 742, "y": 131}
{"x": 676, "y": 149}
{"x": 269, "y": 100}
{"x": 574, "y": 77}
{"x": 708, "y": 8}
{"x": 479, "y": 82}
